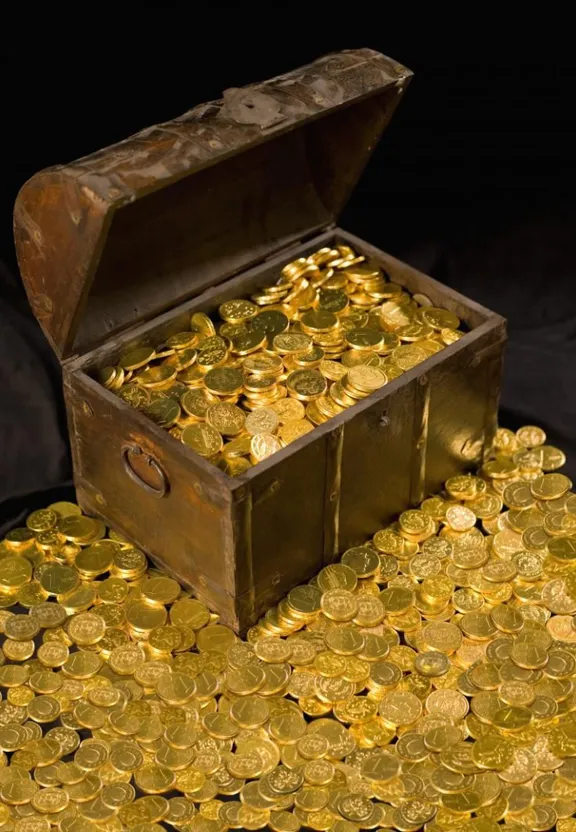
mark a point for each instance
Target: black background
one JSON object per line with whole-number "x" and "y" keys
{"x": 473, "y": 182}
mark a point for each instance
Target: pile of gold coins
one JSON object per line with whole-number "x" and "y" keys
{"x": 331, "y": 331}
{"x": 426, "y": 681}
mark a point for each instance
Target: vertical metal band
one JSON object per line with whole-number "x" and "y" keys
{"x": 242, "y": 564}
{"x": 420, "y": 440}
{"x": 334, "y": 447}
{"x": 493, "y": 370}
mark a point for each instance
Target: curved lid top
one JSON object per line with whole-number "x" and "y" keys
{"x": 130, "y": 231}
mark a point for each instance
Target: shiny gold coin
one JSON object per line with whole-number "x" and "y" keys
{"x": 427, "y": 681}
{"x": 306, "y": 385}
{"x": 366, "y": 379}
{"x": 408, "y": 356}
{"x": 137, "y": 358}
{"x": 203, "y": 439}
{"x": 262, "y": 420}
{"x": 550, "y": 486}
{"x": 19, "y": 540}
{"x": 264, "y": 445}
{"x": 79, "y": 529}
{"x": 363, "y": 560}
{"x": 337, "y": 576}
{"x": 227, "y": 419}
{"x": 288, "y": 410}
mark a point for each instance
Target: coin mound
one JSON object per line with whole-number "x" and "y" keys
{"x": 424, "y": 681}
{"x": 330, "y": 331}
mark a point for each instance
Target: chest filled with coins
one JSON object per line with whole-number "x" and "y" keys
{"x": 252, "y": 390}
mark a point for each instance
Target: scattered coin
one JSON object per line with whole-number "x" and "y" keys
{"x": 424, "y": 681}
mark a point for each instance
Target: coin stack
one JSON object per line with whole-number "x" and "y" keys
{"x": 425, "y": 681}
{"x": 329, "y": 332}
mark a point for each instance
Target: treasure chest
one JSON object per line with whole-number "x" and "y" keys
{"x": 120, "y": 250}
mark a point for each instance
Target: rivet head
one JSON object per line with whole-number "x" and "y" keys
{"x": 198, "y": 489}
{"x": 87, "y": 409}
{"x": 100, "y": 499}
{"x": 384, "y": 421}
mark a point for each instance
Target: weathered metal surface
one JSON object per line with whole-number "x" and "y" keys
{"x": 134, "y": 229}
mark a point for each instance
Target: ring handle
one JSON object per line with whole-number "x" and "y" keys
{"x": 146, "y": 459}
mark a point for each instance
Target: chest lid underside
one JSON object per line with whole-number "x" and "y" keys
{"x": 135, "y": 229}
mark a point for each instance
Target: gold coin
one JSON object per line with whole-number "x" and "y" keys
{"x": 19, "y": 539}
{"x": 416, "y": 523}
{"x": 181, "y": 340}
{"x": 262, "y": 420}
{"x": 563, "y": 548}
{"x": 212, "y": 352}
{"x": 552, "y": 458}
{"x": 42, "y": 520}
{"x": 306, "y": 385}
{"x": 530, "y": 436}
{"x": 215, "y": 638}
{"x": 227, "y": 419}
{"x": 244, "y": 343}
{"x": 365, "y": 378}
{"x": 460, "y": 518}
{"x": 292, "y": 431}
{"x": 200, "y": 322}
{"x": 512, "y": 718}
{"x": 97, "y": 558}
{"x": 224, "y": 381}
{"x": 50, "y": 801}
{"x": 14, "y": 573}
{"x": 408, "y": 356}
{"x": 364, "y": 339}
{"x": 154, "y": 377}
{"x": 196, "y": 403}
{"x": 332, "y": 370}
{"x": 550, "y": 486}
{"x": 191, "y": 612}
{"x": 305, "y": 600}
{"x": 363, "y": 560}
{"x": 400, "y": 708}
{"x": 264, "y": 445}
{"x": 339, "y": 605}
{"x": 318, "y": 320}
{"x": 337, "y": 576}
{"x": 203, "y": 439}
{"x": 439, "y": 319}
{"x": 397, "y": 599}
{"x": 137, "y": 358}
{"x": 21, "y": 627}
{"x": 164, "y": 412}
{"x": 432, "y": 663}
{"x": 79, "y": 529}
{"x": 237, "y": 310}
{"x": 291, "y": 342}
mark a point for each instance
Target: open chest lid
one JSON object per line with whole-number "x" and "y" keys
{"x": 122, "y": 235}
